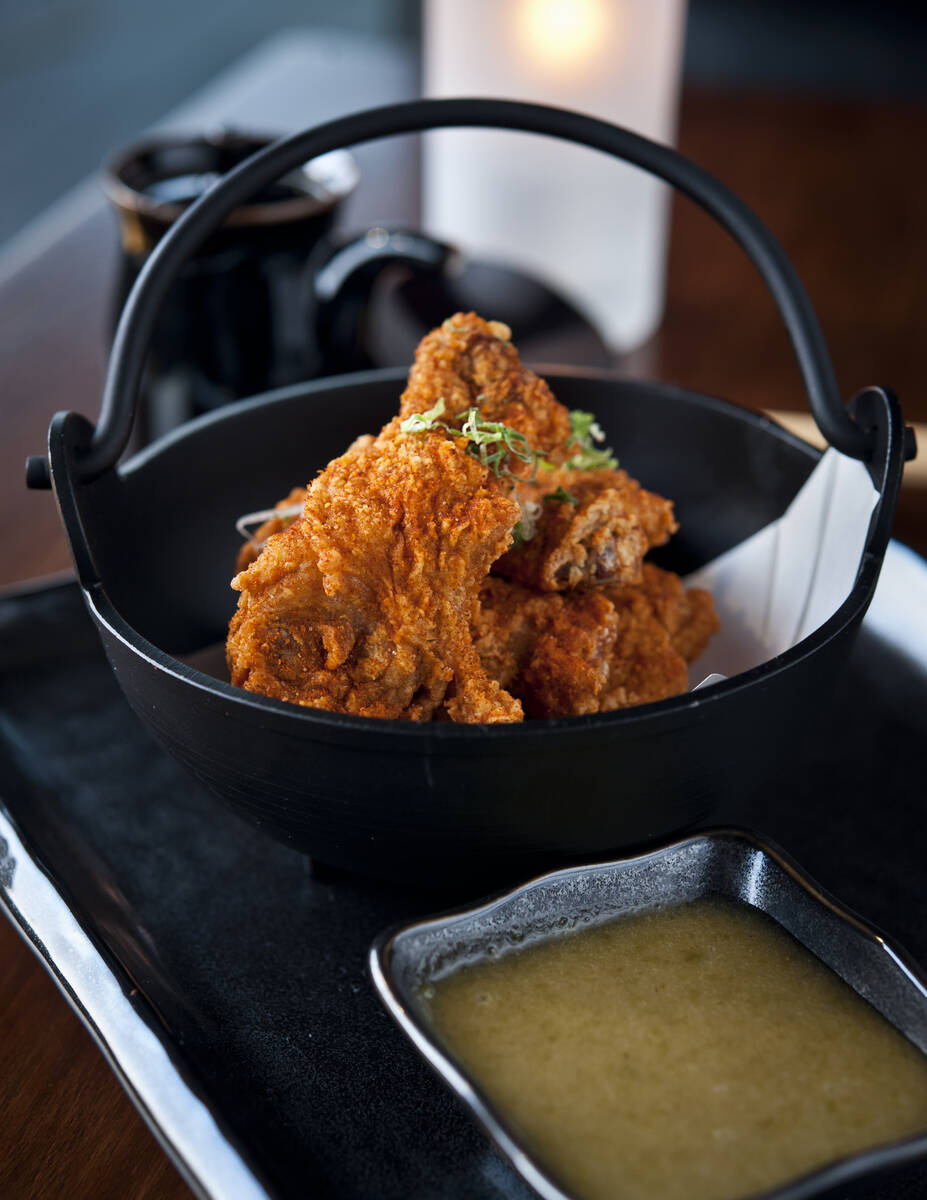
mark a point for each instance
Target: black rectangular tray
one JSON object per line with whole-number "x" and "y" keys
{"x": 225, "y": 975}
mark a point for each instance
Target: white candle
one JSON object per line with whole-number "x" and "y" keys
{"x": 594, "y": 228}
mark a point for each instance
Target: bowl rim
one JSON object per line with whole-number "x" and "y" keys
{"x": 839, "y": 1172}
{"x": 450, "y": 734}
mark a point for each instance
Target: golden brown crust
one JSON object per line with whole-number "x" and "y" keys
{"x": 699, "y": 626}
{"x": 601, "y": 537}
{"x": 570, "y": 663}
{"x": 643, "y": 667}
{"x": 688, "y": 617}
{"x": 471, "y": 363}
{"x": 592, "y": 650}
{"x": 363, "y": 605}
{"x": 654, "y": 512}
{"x": 549, "y": 650}
{"x": 507, "y": 622}
{"x": 376, "y": 601}
{"x": 253, "y": 547}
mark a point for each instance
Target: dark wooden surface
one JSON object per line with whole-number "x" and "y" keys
{"x": 840, "y": 184}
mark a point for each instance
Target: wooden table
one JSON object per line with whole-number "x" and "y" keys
{"x": 840, "y": 184}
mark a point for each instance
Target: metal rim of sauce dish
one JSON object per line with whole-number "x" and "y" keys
{"x": 725, "y": 863}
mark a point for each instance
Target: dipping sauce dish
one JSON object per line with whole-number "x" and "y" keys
{"x": 699, "y": 1022}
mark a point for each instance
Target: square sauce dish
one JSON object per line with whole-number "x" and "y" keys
{"x": 700, "y": 1022}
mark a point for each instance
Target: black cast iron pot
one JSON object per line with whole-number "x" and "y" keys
{"x": 154, "y": 543}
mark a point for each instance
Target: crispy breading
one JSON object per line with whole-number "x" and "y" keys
{"x": 548, "y": 649}
{"x": 601, "y": 533}
{"x": 596, "y": 649}
{"x": 568, "y": 666}
{"x": 281, "y": 519}
{"x": 471, "y": 363}
{"x": 643, "y": 666}
{"x": 601, "y": 538}
{"x": 653, "y": 511}
{"x": 662, "y": 628}
{"x": 363, "y": 605}
{"x": 508, "y": 621}
{"x": 275, "y": 524}
{"x": 376, "y": 600}
{"x": 688, "y": 617}
{"x": 699, "y": 625}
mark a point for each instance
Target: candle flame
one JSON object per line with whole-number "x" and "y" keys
{"x": 562, "y": 33}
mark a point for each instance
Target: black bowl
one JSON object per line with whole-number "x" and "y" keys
{"x": 154, "y": 545}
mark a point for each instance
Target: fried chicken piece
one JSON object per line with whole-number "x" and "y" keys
{"x": 506, "y": 625}
{"x": 688, "y": 617}
{"x": 593, "y": 650}
{"x": 363, "y": 605}
{"x": 549, "y": 650}
{"x": 570, "y": 663}
{"x": 284, "y": 514}
{"x": 367, "y": 602}
{"x": 275, "y": 524}
{"x": 662, "y": 628}
{"x": 643, "y": 666}
{"x": 471, "y": 363}
{"x": 603, "y": 536}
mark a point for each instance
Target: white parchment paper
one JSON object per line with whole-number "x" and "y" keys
{"x": 784, "y": 582}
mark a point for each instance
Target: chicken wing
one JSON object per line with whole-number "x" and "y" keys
{"x": 471, "y": 363}
{"x": 363, "y": 605}
{"x": 606, "y": 527}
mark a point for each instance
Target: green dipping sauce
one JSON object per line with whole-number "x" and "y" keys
{"x": 693, "y": 1053}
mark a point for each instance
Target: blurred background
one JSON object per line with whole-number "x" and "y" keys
{"x": 79, "y": 78}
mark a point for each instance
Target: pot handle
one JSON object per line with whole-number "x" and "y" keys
{"x": 130, "y": 345}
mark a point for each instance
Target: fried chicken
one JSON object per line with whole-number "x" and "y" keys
{"x": 283, "y": 514}
{"x": 376, "y": 598}
{"x": 600, "y": 533}
{"x": 468, "y": 363}
{"x": 471, "y": 363}
{"x": 643, "y": 666}
{"x": 549, "y": 650}
{"x": 281, "y": 518}
{"x": 593, "y": 650}
{"x": 688, "y": 616}
{"x": 363, "y": 605}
